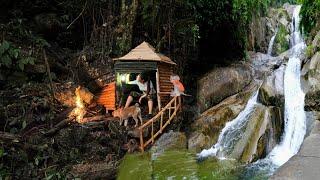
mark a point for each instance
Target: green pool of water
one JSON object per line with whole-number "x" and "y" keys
{"x": 177, "y": 165}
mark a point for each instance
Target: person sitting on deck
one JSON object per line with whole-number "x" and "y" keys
{"x": 148, "y": 92}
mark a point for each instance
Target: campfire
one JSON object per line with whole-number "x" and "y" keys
{"x": 86, "y": 109}
{"x": 82, "y": 96}
{"x": 80, "y": 109}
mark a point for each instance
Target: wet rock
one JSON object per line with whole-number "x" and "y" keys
{"x": 205, "y": 130}
{"x": 271, "y": 93}
{"x": 264, "y": 64}
{"x": 198, "y": 141}
{"x": 269, "y": 136}
{"x": 311, "y": 83}
{"x": 221, "y": 83}
{"x": 316, "y": 42}
{"x": 246, "y": 146}
{"x": 304, "y": 165}
{"x": 170, "y": 141}
{"x": 261, "y": 134}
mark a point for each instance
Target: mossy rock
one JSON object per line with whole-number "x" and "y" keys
{"x": 170, "y": 141}
{"x": 281, "y": 41}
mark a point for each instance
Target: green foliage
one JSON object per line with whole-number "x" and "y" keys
{"x": 11, "y": 57}
{"x": 310, "y": 15}
{"x": 309, "y": 51}
{"x": 278, "y": 3}
{"x": 281, "y": 41}
{"x": 228, "y": 17}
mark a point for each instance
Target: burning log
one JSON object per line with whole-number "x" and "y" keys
{"x": 82, "y": 95}
{"x": 66, "y": 94}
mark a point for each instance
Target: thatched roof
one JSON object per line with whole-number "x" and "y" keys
{"x": 145, "y": 52}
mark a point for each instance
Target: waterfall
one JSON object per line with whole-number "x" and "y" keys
{"x": 270, "y": 46}
{"x": 232, "y": 132}
{"x": 295, "y": 119}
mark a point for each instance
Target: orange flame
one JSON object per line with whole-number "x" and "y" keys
{"x": 79, "y": 111}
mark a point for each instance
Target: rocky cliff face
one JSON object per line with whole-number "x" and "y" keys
{"x": 277, "y": 22}
{"x": 311, "y": 75}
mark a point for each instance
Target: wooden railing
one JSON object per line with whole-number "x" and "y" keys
{"x": 164, "y": 117}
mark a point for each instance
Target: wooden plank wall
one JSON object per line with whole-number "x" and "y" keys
{"x": 107, "y": 97}
{"x": 165, "y": 71}
{"x": 135, "y": 66}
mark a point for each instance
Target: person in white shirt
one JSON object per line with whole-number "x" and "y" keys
{"x": 145, "y": 85}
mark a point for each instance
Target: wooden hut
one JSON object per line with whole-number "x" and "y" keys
{"x": 145, "y": 58}
{"x": 140, "y": 59}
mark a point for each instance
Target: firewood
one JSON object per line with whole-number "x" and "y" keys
{"x": 58, "y": 126}
{"x": 94, "y": 118}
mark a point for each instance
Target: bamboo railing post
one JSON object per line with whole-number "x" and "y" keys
{"x": 173, "y": 104}
{"x": 152, "y": 134}
{"x": 141, "y": 140}
{"x": 161, "y": 122}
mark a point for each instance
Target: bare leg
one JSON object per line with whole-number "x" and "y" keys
{"x": 129, "y": 101}
{"x": 150, "y": 106}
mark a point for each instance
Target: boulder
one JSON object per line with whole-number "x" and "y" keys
{"x": 170, "y": 141}
{"x": 246, "y": 146}
{"x": 264, "y": 64}
{"x": 205, "y": 130}
{"x": 260, "y": 134}
{"x": 311, "y": 83}
{"x": 305, "y": 164}
{"x": 316, "y": 42}
{"x": 269, "y": 135}
{"x": 271, "y": 93}
{"x": 221, "y": 83}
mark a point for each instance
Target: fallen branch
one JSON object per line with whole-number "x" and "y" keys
{"x": 17, "y": 140}
{"x": 8, "y": 137}
{"x": 49, "y": 74}
{"x": 58, "y": 126}
{"x": 94, "y": 118}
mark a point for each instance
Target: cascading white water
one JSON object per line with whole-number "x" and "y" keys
{"x": 270, "y": 46}
{"x": 231, "y": 132}
{"x": 295, "y": 119}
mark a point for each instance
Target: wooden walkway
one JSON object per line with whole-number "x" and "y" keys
{"x": 159, "y": 122}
